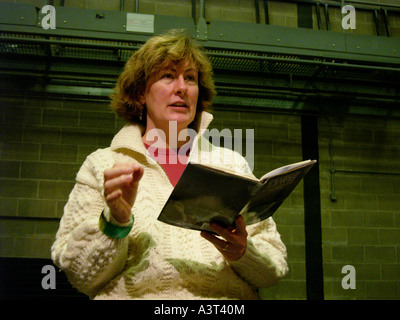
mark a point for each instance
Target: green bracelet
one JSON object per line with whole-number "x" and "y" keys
{"x": 113, "y": 231}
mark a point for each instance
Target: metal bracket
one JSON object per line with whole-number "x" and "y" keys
{"x": 202, "y": 30}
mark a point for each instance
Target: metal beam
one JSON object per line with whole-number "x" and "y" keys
{"x": 312, "y": 211}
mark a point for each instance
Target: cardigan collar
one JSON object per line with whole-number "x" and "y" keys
{"x": 130, "y": 136}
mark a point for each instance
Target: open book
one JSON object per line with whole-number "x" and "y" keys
{"x": 207, "y": 194}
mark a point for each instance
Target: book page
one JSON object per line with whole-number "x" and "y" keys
{"x": 227, "y": 171}
{"x": 286, "y": 168}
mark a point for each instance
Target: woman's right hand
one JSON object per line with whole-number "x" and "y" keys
{"x": 120, "y": 188}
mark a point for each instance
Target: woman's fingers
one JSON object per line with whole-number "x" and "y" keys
{"x": 236, "y": 235}
{"x": 116, "y": 183}
{"x": 240, "y": 227}
{"x": 234, "y": 243}
{"x": 119, "y": 169}
{"x": 122, "y": 176}
{"x": 137, "y": 175}
{"x": 120, "y": 188}
{"x": 217, "y": 242}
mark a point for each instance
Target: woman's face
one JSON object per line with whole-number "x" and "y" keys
{"x": 171, "y": 95}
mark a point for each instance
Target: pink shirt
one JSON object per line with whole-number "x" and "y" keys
{"x": 173, "y": 161}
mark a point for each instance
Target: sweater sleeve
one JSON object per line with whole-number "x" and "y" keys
{"x": 89, "y": 258}
{"x": 264, "y": 262}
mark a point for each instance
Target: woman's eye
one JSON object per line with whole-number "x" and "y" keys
{"x": 191, "y": 78}
{"x": 168, "y": 76}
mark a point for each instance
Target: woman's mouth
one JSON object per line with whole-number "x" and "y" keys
{"x": 179, "y": 105}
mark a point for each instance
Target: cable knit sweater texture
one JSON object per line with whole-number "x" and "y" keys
{"x": 156, "y": 260}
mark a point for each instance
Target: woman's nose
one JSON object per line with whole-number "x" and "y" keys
{"x": 180, "y": 85}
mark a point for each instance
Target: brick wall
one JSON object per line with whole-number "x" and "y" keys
{"x": 362, "y": 227}
{"x": 43, "y": 144}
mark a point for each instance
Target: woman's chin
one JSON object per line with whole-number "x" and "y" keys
{"x": 182, "y": 120}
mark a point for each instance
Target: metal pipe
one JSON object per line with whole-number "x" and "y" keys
{"x": 377, "y": 24}
{"x": 266, "y": 11}
{"x": 202, "y": 9}
{"x": 318, "y": 16}
{"x": 327, "y": 21}
{"x": 367, "y": 172}
{"x": 257, "y": 6}
{"x": 136, "y": 6}
{"x": 387, "y": 23}
{"x": 194, "y": 10}
{"x": 121, "y": 5}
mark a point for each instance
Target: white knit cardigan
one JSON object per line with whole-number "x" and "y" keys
{"x": 156, "y": 260}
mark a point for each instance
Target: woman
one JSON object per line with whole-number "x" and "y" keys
{"x": 110, "y": 244}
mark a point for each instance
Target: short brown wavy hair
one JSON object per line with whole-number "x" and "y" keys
{"x": 174, "y": 46}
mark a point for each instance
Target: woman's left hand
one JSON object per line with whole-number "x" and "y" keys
{"x": 234, "y": 242}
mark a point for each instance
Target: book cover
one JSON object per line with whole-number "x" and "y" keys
{"x": 206, "y": 194}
